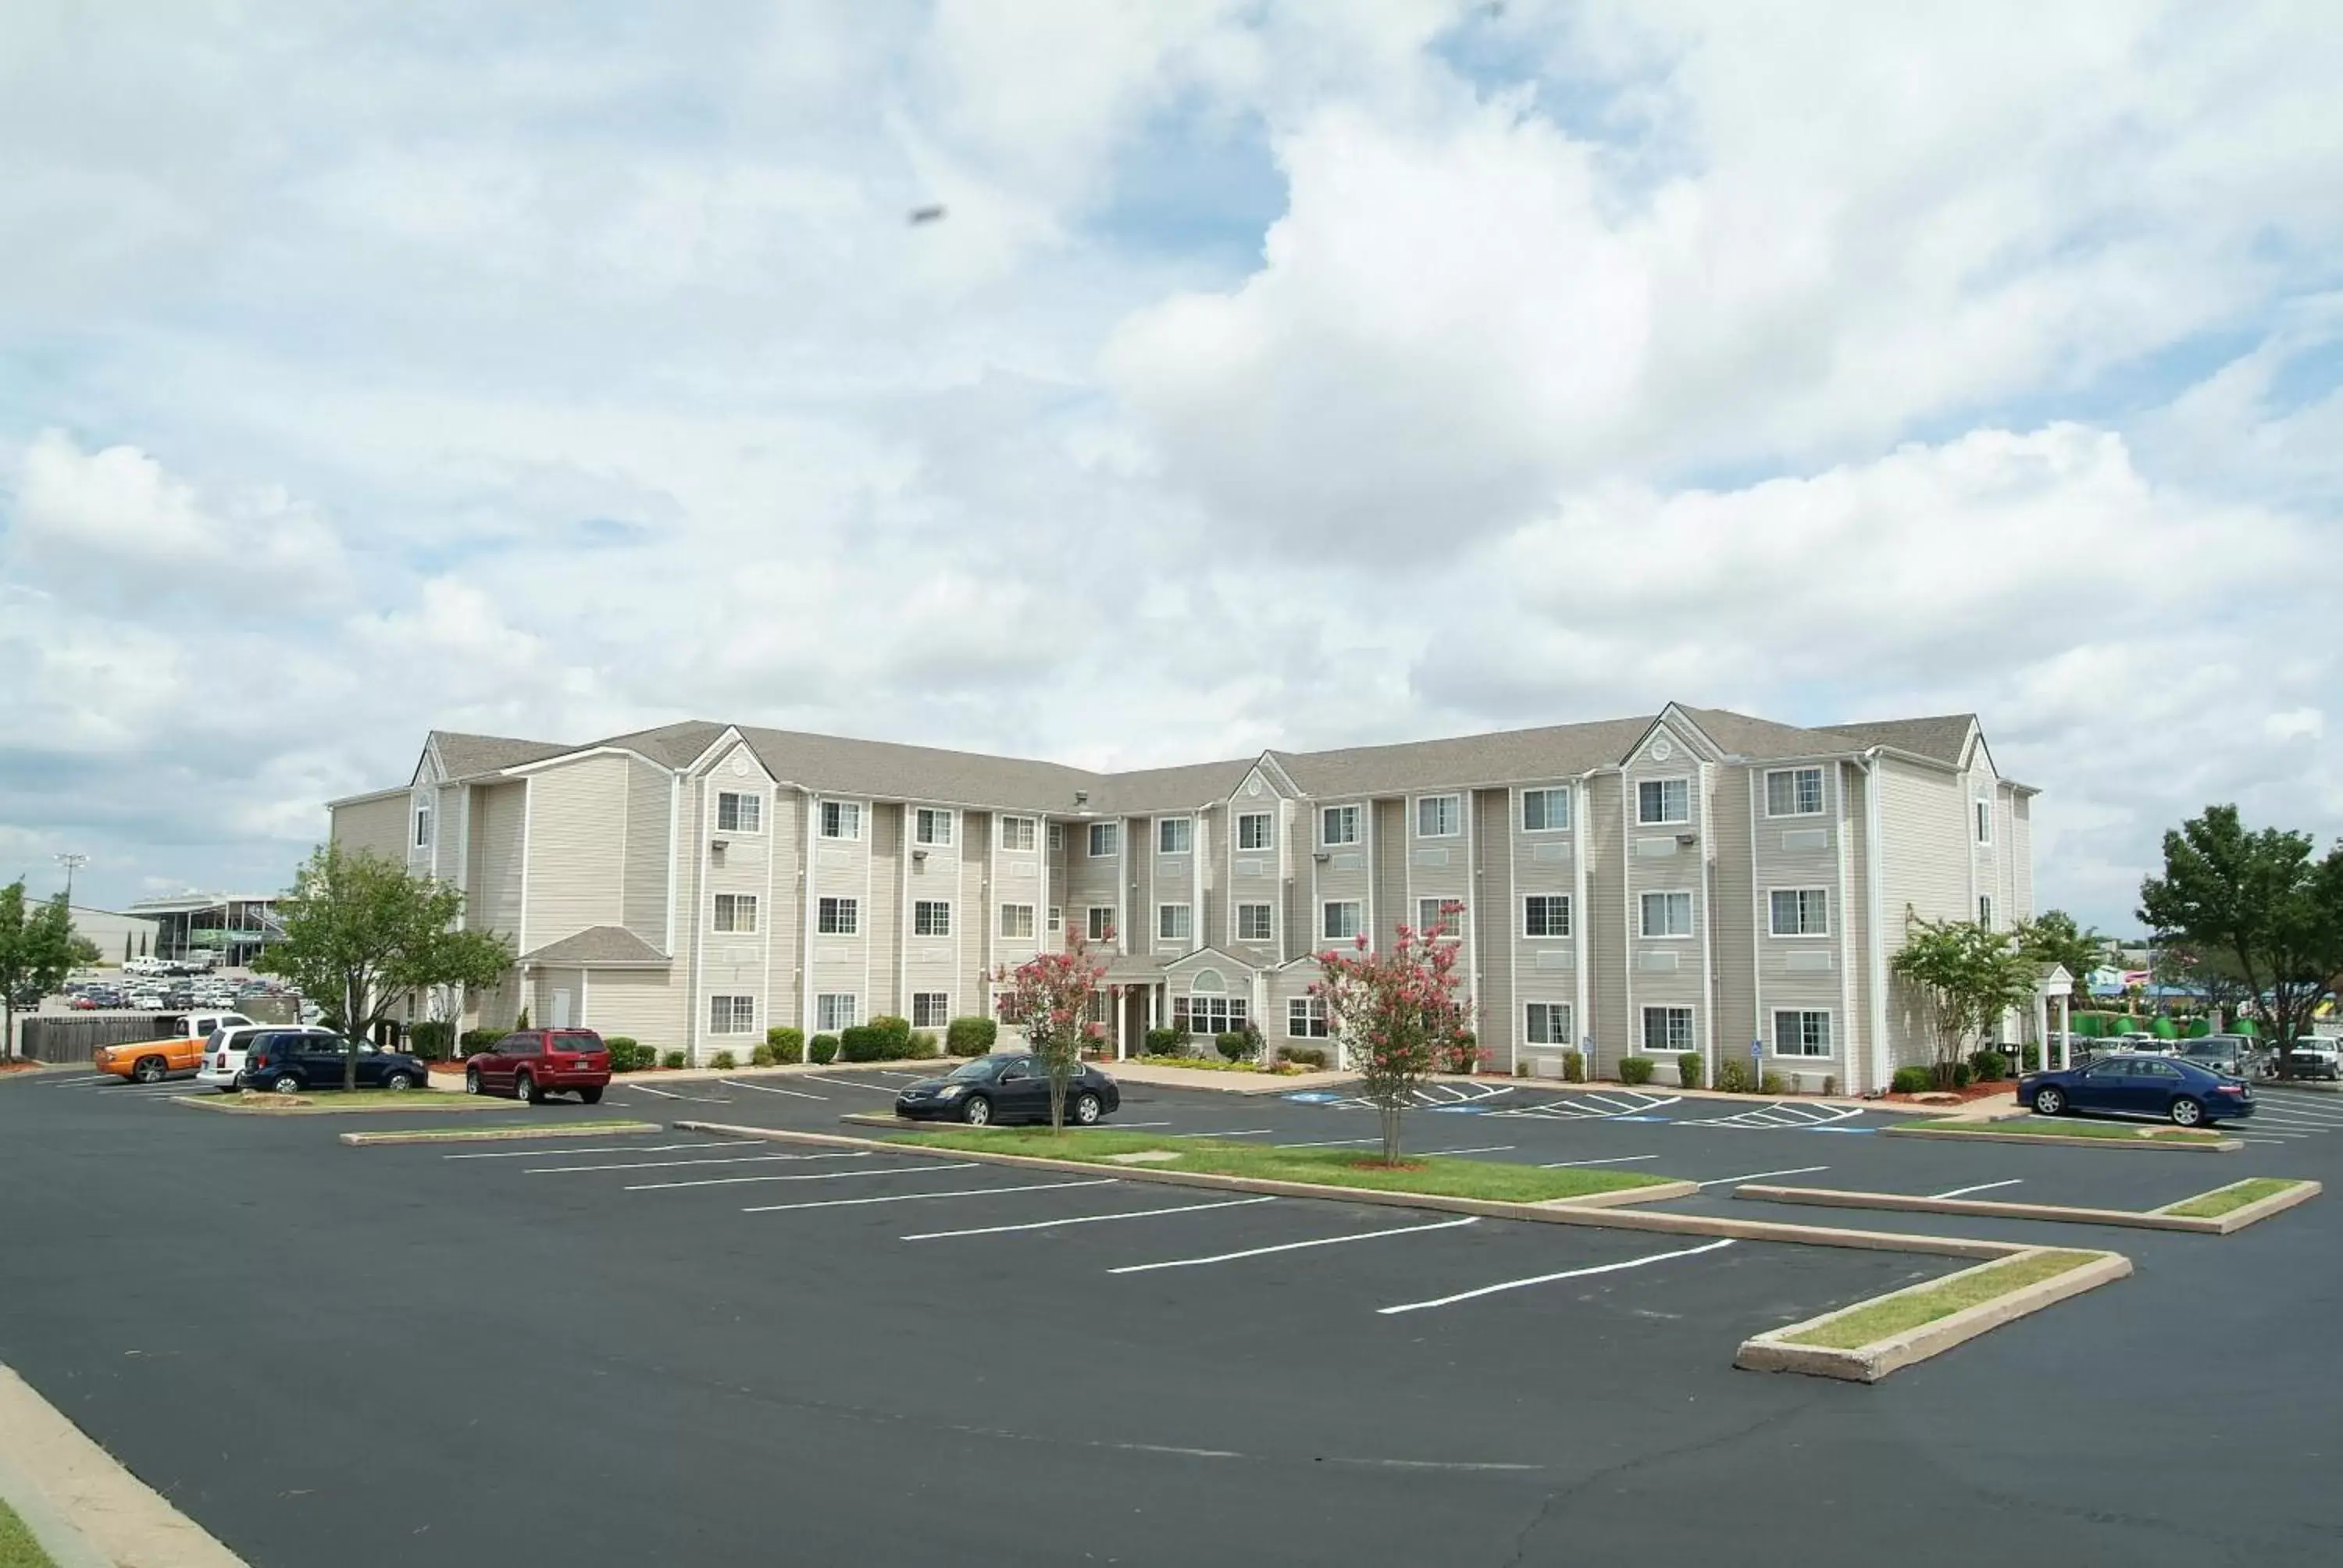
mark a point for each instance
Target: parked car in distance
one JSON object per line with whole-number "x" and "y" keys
{"x": 289, "y": 1060}
{"x": 2316, "y": 1056}
{"x": 2239, "y": 1055}
{"x": 2171, "y": 1087}
{"x": 179, "y": 1050}
{"x": 1011, "y": 1086}
{"x": 225, "y": 1053}
{"x": 531, "y": 1063}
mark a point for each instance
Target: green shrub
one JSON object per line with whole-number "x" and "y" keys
{"x": 1573, "y": 1067}
{"x": 522, "y": 1021}
{"x": 1688, "y": 1066}
{"x": 1830, "y": 1083}
{"x": 626, "y": 1056}
{"x": 724, "y": 1061}
{"x": 864, "y": 1042}
{"x": 2030, "y": 1060}
{"x": 763, "y": 1056}
{"x": 1232, "y": 1045}
{"x": 923, "y": 1044}
{"x": 894, "y": 1033}
{"x": 673, "y": 1061}
{"x": 1733, "y": 1076}
{"x": 475, "y": 1041}
{"x": 431, "y": 1041}
{"x": 1990, "y": 1066}
{"x": 1962, "y": 1074}
{"x": 788, "y": 1044}
{"x": 970, "y": 1036}
{"x": 1169, "y": 1042}
{"x": 1634, "y": 1070}
{"x": 1772, "y": 1083}
{"x": 822, "y": 1049}
{"x": 1912, "y": 1081}
{"x": 1310, "y": 1056}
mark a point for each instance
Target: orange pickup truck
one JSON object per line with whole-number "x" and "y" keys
{"x": 181, "y": 1051}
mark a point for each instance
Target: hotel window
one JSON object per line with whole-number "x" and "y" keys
{"x": 1172, "y": 922}
{"x": 1545, "y": 915}
{"x": 1793, "y": 792}
{"x": 834, "y": 1010}
{"x": 1105, "y": 839}
{"x": 1017, "y": 832}
{"x": 1985, "y": 911}
{"x": 1802, "y": 1033}
{"x": 1446, "y": 913}
{"x": 1985, "y": 821}
{"x": 1057, "y": 919}
{"x": 932, "y": 825}
{"x": 1057, "y": 835}
{"x": 1662, "y": 801}
{"x": 1017, "y": 921}
{"x": 737, "y": 813}
{"x": 1545, "y": 811}
{"x": 1197, "y": 1014}
{"x": 1174, "y": 835}
{"x": 1439, "y": 816}
{"x": 1253, "y": 923}
{"x": 841, "y": 820}
{"x": 1305, "y": 1018}
{"x": 931, "y": 918}
{"x": 735, "y": 913}
{"x": 731, "y": 1014}
{"x": 423, "y": 827}
{"x": 1667, "y": 914}
{"x": 1343, "y": 919}
{"x": 931, "y": 1008}
{"x": 1801, "y": 912}
{"x": 1548, "y": 1023}
{"x": 837, "y": 917}
{"x": 1101, "y": 923}
{"x": 1339, "y": 825}
{"x": 1256, "y": 830}
{"x": 1668, "y": 1031}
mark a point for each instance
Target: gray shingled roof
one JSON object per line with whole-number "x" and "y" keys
{"x": 671, "y": 745}
{"x": 1153, "y": 790}
{"x": 1514, "y": 756}
{"x": 465, "y": 755}
{"x": 1941, "y": 737}
{"x": 887, "y": 770}
{"x": 1757, "y": 738}
{"x": 597, "y": 946}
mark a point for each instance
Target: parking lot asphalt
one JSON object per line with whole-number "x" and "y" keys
{"x": 683, "y": 1348}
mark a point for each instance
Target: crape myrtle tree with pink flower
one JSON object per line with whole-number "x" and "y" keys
{"x": 1398, "y": 1015}
{"x": 1049, "y": 997}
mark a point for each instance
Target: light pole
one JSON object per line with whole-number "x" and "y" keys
{"x": 72, "y": 862}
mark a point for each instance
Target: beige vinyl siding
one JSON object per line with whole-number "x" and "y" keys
{"x": 1490, "y": 929}
{"x": 1737, "y": 939}
{"x": 1927, "y": 827}
{"x": 1256, "y": 877}
{"x": 1087, "y": 881}
{"x": 694, "y": 806}
{"x": 649, "y": 822}
{"x": 1170, "y": 880}
{"x": 380, "y": 826}
{"x": 2020, "y": 858}
{"x": 886, "y": 918}
{"x": 842, "y": 867}
{"x": 1656, "y": 862}
{"x": 1387, "y": 866}
{"x": 542, "y": 1011}
{"x": 735, "y": 963}
{"x": 1789, "y": 852}
{"x": 1604, "y": 946}
{"x": 933, "y": 963}
{"x": 577, "y": 826}
{"x": 1852, "y": 950}
{"x": 644, "y": 1005}
{"x": 446, "y": 832}
{"x": 1211, "y": 909}
{"x": 1341, "y": 876}
{"x": 1017, "y": 879}
{"x": 493, "y": 898}
{"x": 1544, "y": 968}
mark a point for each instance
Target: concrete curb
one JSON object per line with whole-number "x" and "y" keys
{"x": 1559, "y": 1211}
{"x": 1772, "y": 1351}
{"x": 227, "y": 1104}
{"x": 2139, "y": 1220}
{"x": 2221, "y": 1145}
{"x": 1245, "y": 1084}
{"x": 2260, "y": 1209}
{"x": 86, "y": 1510}
{"x": 498, "y": 1135}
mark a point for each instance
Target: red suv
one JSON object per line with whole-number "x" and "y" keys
{"x": 531, "y": 1063}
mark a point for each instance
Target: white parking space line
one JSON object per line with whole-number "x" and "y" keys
{"x": 671, "y": 1164}
{"x": 1128, "y": 1124}
{"x": 2294, "y": 1118}
{"x": 1614, "y": 1159}
{"x": 1247, "y": 1133}
{"x": 647, "y": 1089}
{"x": 769, "y": 1088}
{"x": 817, "y": 1176}
{"x": 1292, "y": 1247}
{"x": 77, "y": 1082}
{"x": 857, "y": 1083}
{"x": 1492, "y": 1149}
{"x": 924, "y": 1196}
{"x": 602, "y": 1148}
{"x": 1980, "y": 1187}
{"x": 1331, "y": 1143}
{"x": 1549, "y": 1279}
{"x": 1754, "y": 1175}
{"x": 1086, "y": 1220}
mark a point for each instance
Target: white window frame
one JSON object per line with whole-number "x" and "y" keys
{"x": 1210, "y": 1013}
{"x": 944, "y": 1012}
{"x": 1691, "y": 1033}
{"x": 1095, "y": 928}
{"x": 1569, "y": 918}
{"x": 724, "y": 918}
{"x": 1187, "y": 835}
{"x": 1794, "y": 775}
{"x": 1802, "y": 928}
{"x": 1268, "y": 819}
{"x": 422, "y": 827}
{"x": 927, "y": 910}
{"x": 1358, "y": 921}
{"x": 927, "y": 819}
{"x": 1562, "y": 1036}
{"x": 730, "y": 1014}
{"x": 1187, "y": 922}
{"x": 1351, "y": 815}
{"x": 1804, "y": 1015}
{"x": 1985, "y": 911}
{"x": 1448, "y": 808}
{"x": 1057, "y": 835}
{"x": 1112, "y": 839}
{"x": 1017, "y": 834}
{"x": 1463, "y": 912}
{"x": 1644, "y": 915}
{"x": 1985, "y": 820}
{"x": 841, "y": 907}
{"x": 1305, "y": 1018}
{"x": 1057, "y": 917}
{"x": 847, "y": 813}
{"x": 1238, "y": 921}
{"x": 836, "y": 1009}
{"x": 740, "y": 800}
{"x": 1548, "y": 795}
{"x": 1681, "y": 781}
{"x": 1008, "y": 931}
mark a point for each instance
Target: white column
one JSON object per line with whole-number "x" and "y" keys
{"x": 2066, "y": 1034}
{"x": 2041, "y": 1029}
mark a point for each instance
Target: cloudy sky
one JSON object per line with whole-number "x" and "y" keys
{"x": 1280, "y": 375}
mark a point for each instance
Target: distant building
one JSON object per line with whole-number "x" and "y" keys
{"x": 232, "y": 926}
{"x": 118, "y": 936}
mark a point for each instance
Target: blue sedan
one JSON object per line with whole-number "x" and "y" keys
{"x": 2187, "y": 1094}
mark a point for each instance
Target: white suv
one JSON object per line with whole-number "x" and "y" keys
{"x": 223, "y": 1066}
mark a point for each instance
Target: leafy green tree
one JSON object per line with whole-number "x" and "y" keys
{"x": 1971, "y": 975}
{"x": 362, "y": 936}
{"x": 2054, "y": 937}
{"x": 1396, "y": 1013}
{"x": 85, "y": 954}
{"x": 36, "y": 953}
{"x": 2264, "y": 904}
{"x": 1049, "y": 997}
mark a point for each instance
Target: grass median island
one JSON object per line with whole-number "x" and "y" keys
{"x": 2223, "y": 1200}
{"x": 1318, "y": 1167}
{"x": 327, "y": 1101}
{"x": 17, "y": 1547}
{"x": 2061, "y": 1127}
{"x": 1899, "y": 1314}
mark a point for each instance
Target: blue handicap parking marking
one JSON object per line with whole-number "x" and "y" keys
{"x": 1459, "y": 1110}
{"x": 1838, "y": 1129}
{"x": 1313, "y": 1096}
{"x": 1638, "y": 1119}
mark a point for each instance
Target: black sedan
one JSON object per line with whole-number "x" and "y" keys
{"x": 1007, "y": 1088}
{"x": 2165, "y": 1086}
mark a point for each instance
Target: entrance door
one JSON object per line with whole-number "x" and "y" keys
{"x": 561, "y": 1009}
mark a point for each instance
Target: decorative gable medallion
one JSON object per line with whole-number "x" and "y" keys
{"x": 1662, "y": 748}
{"x": 739, "y": 765}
